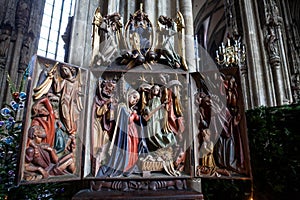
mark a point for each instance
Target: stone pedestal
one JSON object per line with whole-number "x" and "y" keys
{"x": 158, "y": 194}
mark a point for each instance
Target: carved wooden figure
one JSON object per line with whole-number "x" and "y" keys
{"x": 128, "y": 141}
{"x": 67, "y": 87}
{"x": 139, "y": 37}
{"x": 107, "y": 38}
{"x": 153, "y": 114}
{"x": 228, "y": 150}
{"x": 51, "y": 146}
{"x": 221, "y": 147}
{"x": 41, "y": 159}
{"x": 103, "y": 121}
{"x": 168, "y": 38}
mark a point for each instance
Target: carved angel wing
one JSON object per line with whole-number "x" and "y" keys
{"x": 42, "y": 89}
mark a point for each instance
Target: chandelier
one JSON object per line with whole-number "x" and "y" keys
{"x": 231, "y": 54}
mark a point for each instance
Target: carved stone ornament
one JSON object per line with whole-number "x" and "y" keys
{"x": 23, "y": 15}
{"x": 273, "y": 21}
{"x": 5, "y": 37}
{"x": 296, "y": 87}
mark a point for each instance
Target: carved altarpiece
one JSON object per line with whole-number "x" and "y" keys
{"x": 137, "y": 119}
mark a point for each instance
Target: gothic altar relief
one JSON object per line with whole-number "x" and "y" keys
{"x": 136, "y": 113}
{"x": 221, "y": 146}
{"x": 139, "y": 112}
{"x": 52, "y": 139}
{"x": 138, "y": 124}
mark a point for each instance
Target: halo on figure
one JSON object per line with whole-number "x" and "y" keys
{"x": 139, "y": 18}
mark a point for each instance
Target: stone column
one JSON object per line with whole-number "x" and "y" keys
{"x": 79, "y": 33}
{"x": 259, "y": 94}
{"x": 22, "y": 22}
{"x": 112, "y": 6}
{"x": 187, "y": 12}
{"x": 245, "y": 86}
{"x": 149, "y": 7}
{"x": 131, "y": 8}
{"x": 286, "y": 73}
{"x": 276, "y": 52}
{"x": 292, "y": 44}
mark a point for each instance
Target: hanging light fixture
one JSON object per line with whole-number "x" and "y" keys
{"x": 232, "y": 53}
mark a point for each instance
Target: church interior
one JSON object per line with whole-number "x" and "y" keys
{"x": 140, "y": 99}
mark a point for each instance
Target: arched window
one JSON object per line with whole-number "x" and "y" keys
{"x": 55, "y": 20}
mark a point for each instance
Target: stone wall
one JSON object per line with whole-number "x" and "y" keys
{"x": 20, "y": 22}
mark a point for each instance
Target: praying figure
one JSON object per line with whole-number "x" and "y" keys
{"x": 128, "y": 142}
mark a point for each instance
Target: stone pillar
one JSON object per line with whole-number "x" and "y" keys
{"x": 131, "y": 8}
{"x": 259, "y": 94}
{"x": 292, "y": 45}
{"x": 286, "y": 73}
{"x": 80, "y": 32}
{"x": 187, "y": 11}
{"x": 22, "y": 22}
{"x": 149, "y": 8}
{"x": 245, "y": 86}
{"x": 276, "y": 53}
{"x": 19, "y": 33}
{"x": 112, "y": 6}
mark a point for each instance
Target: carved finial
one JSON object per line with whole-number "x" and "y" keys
{"x": 141, "y": 7}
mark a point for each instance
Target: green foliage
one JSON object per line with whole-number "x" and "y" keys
{"x": 10, "y": 140}
{"x": 274, "y": 148}
{"x": 10, "y": 135}
{"x": 274, "y": 139}
{"x": 215, "y": 189}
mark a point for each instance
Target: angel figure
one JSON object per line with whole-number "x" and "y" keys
{"x": 68, "y": 87}
{"x": 106, "y": 38}
{"x": 154, "y": 115}
{"x": 166, "y": 40}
